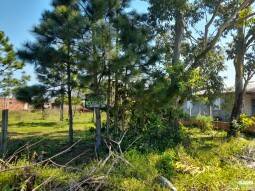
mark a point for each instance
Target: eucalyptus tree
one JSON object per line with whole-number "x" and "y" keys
{"x": 193, "y": 29}
{"x": 241, "y": 51}
{"x": 55, "y": 48}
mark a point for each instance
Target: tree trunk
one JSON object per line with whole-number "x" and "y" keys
{"x": 179, "y": 30}
{"x": 62, "y": 108}
{"x": 116, "y": 104}
{"x": 43, "y": 113}
{"x": 239, "y": 85}
{"x": 62, "y": 100}
{"x": 108, "y": 105}
{"x": 70, "y": 109}
{"x": 98, "y": 129}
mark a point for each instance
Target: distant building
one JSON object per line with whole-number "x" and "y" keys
{"x": 222, "y": 106}
{"x": 13, "y": 104}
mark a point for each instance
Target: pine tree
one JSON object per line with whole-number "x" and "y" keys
{"x": 9, "y": 64}
{"x": 55, "y": 49}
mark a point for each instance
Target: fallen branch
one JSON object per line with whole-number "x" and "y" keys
{"x": 41, "y": 162}
{"x": 21, "y": 149}
{"x": 43, "y": 183}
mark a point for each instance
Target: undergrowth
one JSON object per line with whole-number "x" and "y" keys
{"x": 195, "y": 160}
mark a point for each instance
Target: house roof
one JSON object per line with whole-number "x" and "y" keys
{"x": 250, "y": 88}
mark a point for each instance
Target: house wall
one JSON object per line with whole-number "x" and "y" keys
{"x": 216, "y": 109}
{"x": 221, "y": 107}
{"x": 12, "y": 104}
{"x": 248, "y": 104}
{"x": 196, "y": 108}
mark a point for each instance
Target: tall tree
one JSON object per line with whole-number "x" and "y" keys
{"x": 241, "y": 51}
{"x": 113, "y": 50}
{"x": 57, "y": 36}
{"x": 190, "y": 46}
{"x": 36, "y": 95}
{"x": 8, "y": 65}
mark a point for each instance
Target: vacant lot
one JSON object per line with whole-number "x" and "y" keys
{"x": 30, "y": 127}
{"x": 202, "y": 161}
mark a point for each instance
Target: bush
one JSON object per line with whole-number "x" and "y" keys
{"x": 203, "y": 122}
{"x": 141, "y": 168}
{"x": 165, "y": 164}
{"x": 157, "y": 134}
{"x": 243, "y": 123}
{"x": 246, "y": 121}
{"x": 237, "y": 126}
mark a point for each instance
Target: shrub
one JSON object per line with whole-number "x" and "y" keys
{"x": 157, "y": 134}
{"x": 246, "y": 121}
{"x": 141, "y": 169}
{"x": 237, "y": 126}
{"x": 165, "y": 165}
{"x": 133, "y": 184}
{"x": 243, "y": 123}
{"x": 203, "y": 122}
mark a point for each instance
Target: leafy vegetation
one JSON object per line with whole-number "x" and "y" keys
{"x": 192, "y": 164}
{"x": 144, "y": 66}
{"x": 205, "y": 123}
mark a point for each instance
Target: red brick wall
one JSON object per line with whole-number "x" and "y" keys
{"x": 12, "y": 104}
{"x": 221, "y": 125}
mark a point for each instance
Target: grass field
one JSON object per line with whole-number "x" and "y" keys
{"x": 29, "y": 127}
{"x": 203, "y": 161}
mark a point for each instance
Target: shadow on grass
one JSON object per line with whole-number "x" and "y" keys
{"x": 34, "y": 124}
{"x": 203, "y": 142}
{"x": 52, "y": 144}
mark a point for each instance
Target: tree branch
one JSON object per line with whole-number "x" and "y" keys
{"x": 220, "y": 30}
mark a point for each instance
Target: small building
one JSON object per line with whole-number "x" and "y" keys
{"x": 13, "y": 104}
{"x": 221, "y": 108}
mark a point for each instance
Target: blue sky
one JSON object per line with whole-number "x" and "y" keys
{"x": 17, "y": 17}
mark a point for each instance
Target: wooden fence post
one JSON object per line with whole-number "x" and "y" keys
{"x": 4, "y": 138}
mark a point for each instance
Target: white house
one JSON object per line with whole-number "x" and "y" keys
{"x": 222, "y": 106}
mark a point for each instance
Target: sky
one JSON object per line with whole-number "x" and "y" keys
{"x": 17, "y": 18}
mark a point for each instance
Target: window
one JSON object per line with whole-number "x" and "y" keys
{"x": 253, "y": 107}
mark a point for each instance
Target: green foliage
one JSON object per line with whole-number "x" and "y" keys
{"x": 237, "y": 126}
{"x": 243, "y": 123}
{"x": 35, "y": 95}
{"x": 205, "y": 123}
{"x": 155, "y": 132}
{"x": 8, "y": 64}
{"x": 246, "y": 121}
{"x": 165, "y": 164}
{"x": 141, "y": 167}
{"x": 8, "y": 60}
{"x": 210, "y": 157}
{"x": 135, "y": 60}
{"x": 228, "y": 103}
{"x": 189, "y": 165}
{"x": 17, "y": 180}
